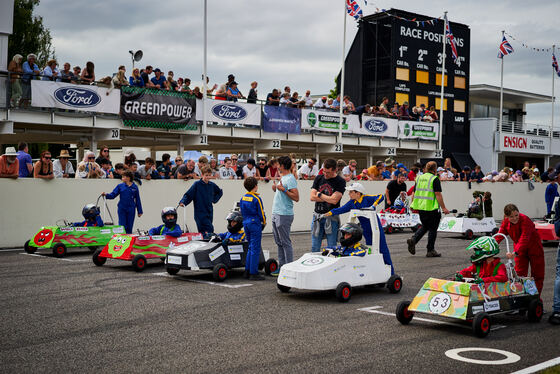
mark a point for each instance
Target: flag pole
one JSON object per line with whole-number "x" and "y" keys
{"x": 553, "y": 72}
{"x": 501, "y": 112}
{"x": 442, "y": 81}
{"x": 204, "y": 79}
{"x": 342, "y": 77}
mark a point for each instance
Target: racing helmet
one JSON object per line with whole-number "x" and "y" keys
{"x": 167, "y": 211}
{"x": 483, "y": 247}
{"x": 235, "y": 222}
{"x": 90, "y": 211}
{"x": 399, "y": 203}
{"x": 350, "y": 228}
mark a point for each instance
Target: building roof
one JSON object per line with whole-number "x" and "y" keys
{"x": 486, "y": 92}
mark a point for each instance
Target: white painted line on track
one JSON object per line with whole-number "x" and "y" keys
{"x": 374, "y": 309}
{"x": 510, "y": 357}
{"x": 165, "y": 274}
{"x": 539, "y": 367}
{"x": 52, "y": 258}
{"x": 11, "y": 250}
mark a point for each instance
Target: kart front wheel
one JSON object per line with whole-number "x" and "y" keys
{"x": 172, "y": 271}
{"x": 404, "y": 316}
{"x": 270, "y": 266}
{"x": 389, "y": 229}
{"x": 139, "y": 263}
{"x": 283, "y": 288}
{"x": 28, "y": 248}
{"x": 219, "y": 273}
{"x": 481, "y": 325}
{"x": 343, "y": 292}
{"x": 93, "y": 249}
{"x": 469, "y": 234}
{"x": 535, "y": 311}
{"x": 59, "y": 250}
{"x": 98, "y": 260}
{"x": 394, "y": 284}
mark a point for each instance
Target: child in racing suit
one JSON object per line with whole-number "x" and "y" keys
{"x": 170, "y": 226}
{"x": 485, "y": 267}
{"x": 350, "y": 236}
{"x": 92, "y": 217}
{"x": 254, "y": 220}
{"x": 235, "y": 233}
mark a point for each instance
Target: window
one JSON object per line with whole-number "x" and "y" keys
{"x": 403, "y": 74}
{"x": 460, "y": 82}
{"x": 438, "y": 103}
{"x": 459, "y": 106}
{"x": 422, "y": 100}
{"x": 422, "y": 76}
{"x": 438, "y": 80}
{"x": 401, "y": 98}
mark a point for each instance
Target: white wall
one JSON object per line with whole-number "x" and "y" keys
{"x": 28, "y": 204}
{"x": 482, "y": 143}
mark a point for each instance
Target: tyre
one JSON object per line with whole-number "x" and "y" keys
{"x": 59, "y": 250}
{"x": 93, "y": 249}
{"x": 343, "y": 292}
{"x": 139, "y": 263}
{"x": 98, "y": 260}
{"x": 389, "y": 229}
{"x": 172, "y": 271}
{"x": 469, "y": 234}
{"x": 495, "y": 230}
{"x": 283, "y": 288}
{"x": 28, "y": 248}
{"x": 402, "y": 313}
{"x": 535, "y": 311}
{"x": 481, "y": 325}
{"x": 416, "y": 228}
{"x": 394, "y": 284}
{"x": 219, "y": 273}
{"x": 270, "y": 266}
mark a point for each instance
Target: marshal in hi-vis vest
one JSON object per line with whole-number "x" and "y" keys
{"x": 424, "y": 195}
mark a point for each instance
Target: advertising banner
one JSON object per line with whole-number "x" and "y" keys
{"x": 378, "y": 126}
{"x": 418, "y": 130}
{"x": 230, "y": 112}
{"x": 84, "y": 98}
{"x": 328, "y": 121}
{"x": 524, "y": 144}
{"x": 281, "y": 119}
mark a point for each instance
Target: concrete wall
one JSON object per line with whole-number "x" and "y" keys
{"x": 28, "y": 204}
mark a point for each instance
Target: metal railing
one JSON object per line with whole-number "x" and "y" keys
{"x": 530, "y": 129}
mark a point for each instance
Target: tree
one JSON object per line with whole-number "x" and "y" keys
{"x": 335, "y": 91}
{"x": 30, "y": 35}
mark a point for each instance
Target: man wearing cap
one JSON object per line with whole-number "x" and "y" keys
{"x": 9, "y": 164}
{"x": 321, "y": 103}
{"x": 61, "y": 167}
{"x": 427, "y": 201}
{"x": 404, "y": 113}
{"x": 159, "y": 80}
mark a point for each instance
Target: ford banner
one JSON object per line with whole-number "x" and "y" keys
{"x": 281, "y": 119}
{"x": 378, "y": 126}
{"x": 84, "y": 98}
{"x": 229, "y": 112}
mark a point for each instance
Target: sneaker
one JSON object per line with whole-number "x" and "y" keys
{"x": 256, "y": 277}
{"x": 554, "y": 318}
{"x": 411, "y": 246}
{"x": 275, "y": 273}
{"x": 433, "y": 253}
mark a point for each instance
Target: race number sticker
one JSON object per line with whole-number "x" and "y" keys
{"x": 440, "y": 303}
{"x": 312, "y": 261}
{"x": 216, "y": 253}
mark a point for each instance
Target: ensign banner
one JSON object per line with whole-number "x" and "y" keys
{"x": 230, "y": 112}
{"x": 524, "y": 144}
{"x": 378, "y": 126}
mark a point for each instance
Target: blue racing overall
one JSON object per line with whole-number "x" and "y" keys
{"x": 175, "y": 231}
{"x": 128, "y": 204}
{"x": 98, "y": 222}
{"x": 254, "y": 220}
{"x": 237, "y": 237}
{"x": 203, "y": 195}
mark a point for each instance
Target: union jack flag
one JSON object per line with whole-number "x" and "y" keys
{"x": 449, "y": 35}
{"x": 555, "y": 65}
{"x": 505, "y": 48}
{"x": 354, "y": 9}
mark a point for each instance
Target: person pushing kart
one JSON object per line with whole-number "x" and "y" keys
{"x": 485, "y": 266}
{"x": 92, "y": 217}
{"x": 350, "y": 236}
{"x": 170, "y": 226}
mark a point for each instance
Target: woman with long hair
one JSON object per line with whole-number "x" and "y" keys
{"x": 44, "y": 167}
{"x": 88, "y": 73}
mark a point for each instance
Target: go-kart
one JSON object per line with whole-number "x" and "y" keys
{"x": 461, "y": 224}
{"x": 216, "y": 255}
{"x": 398, "y": 219}
{"x": 475, "y": 303}
{"x": 545, "y": 228}
{"x": 63, "y": 236}
{"x": 313, "y": 271}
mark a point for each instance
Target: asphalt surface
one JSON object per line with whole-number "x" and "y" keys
{"x": 67, "y": 315}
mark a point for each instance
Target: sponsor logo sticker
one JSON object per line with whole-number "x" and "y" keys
{"x": 229, "y": 112}
{"x": 77, "y": 97}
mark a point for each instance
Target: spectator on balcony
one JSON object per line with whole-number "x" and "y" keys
{"x": 148, "y": 170}
{"x": 51, "y": 72}
{"x": 119, "y": 79}
{"x": 414, "y": 114}
{"x": 201, "y": 164}
{"x": 374, "y": 171}
{"x": 30, "y": 71}
{"x": 88, "y": 168}
{"x": 178, "y": 162}
{"x": 62, "y": 167}
{"x": 330, "y": 104}
{"x": 517, "y": 176}
{"x": 349, "y": 171}
{"x": 221, "y": 92}
{"x": 226, "y": 171}
{"x": 272, "y": 173}
{"x": 363, "y": 176}
{"x": 145, "y": 75}
{"x": 404, "y": 112}
{"x": 186, "y": 86}
{"x": 135, "y": 79}
{"x": 395, "y": 110}
{"x": 88, "y": 73}
{"x": 544, "y": 176}
{"x": 252, "y": 96}
{"x": 400, "y": 169}
{"x": 77, "y": 73}
{"x": 66, "y": 74}
{"x": 336, "y": 103}
{"x": 186, "y": 171}
{"x": 209, "y": 91}
{"x": 250, "y": 169}
{"x": 348, "y": 105}
{"x": 527, "y": 173}
{"x": 285, "y": 99}
{"x": 384, "y": 108}
{"x": 415, "y": 171}
{"x": 307, "y": 100}
{"x": 106, "y": 168}
{"x": 159, "y": 81}
{"x": 431, "y": 115}
{"x": 272, "y": 98}
{"x": 477, "y": 175}
{"x": 465, "y": 174}
{"x": 321, "y": 103}
{"x": 171, "y": 82}
{"x": 362, "y": 109}
{"x": 444, "y": 175}
{"x": 196, "y": 92}
{"x": 24, "y": 160}
{"x": 43, "y": 168}
{"x": 262, "y": 168}
{"x": 15, "y": 68}
{"x": 164, "y": 169}
{"x": 490, "y": 176}
{"x": 233, "y": 93}
{"x": 9, "y": 164}
{"x": 130, "y": 159}
{"x": 214, "y": 167}
{"x": 309, "y": 170}
{"x": 294, "y": 100}
{"x": 287, "y": 90}
{"x": 118, "y": 170}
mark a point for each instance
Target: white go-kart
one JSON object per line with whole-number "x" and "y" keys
{"x": 468, "y": 226}
{"x": 316, "y": 272}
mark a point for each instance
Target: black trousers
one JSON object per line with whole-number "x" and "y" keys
{"x": 430, "y": 222}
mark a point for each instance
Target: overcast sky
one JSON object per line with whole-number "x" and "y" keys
{"x": 292, "y": 42}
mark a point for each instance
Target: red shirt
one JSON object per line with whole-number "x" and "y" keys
{"x": 411, "y": 176}
{"x": 487, "y": 271}
{"x": 6, "y": 168}
{"x": 523, "y": 234}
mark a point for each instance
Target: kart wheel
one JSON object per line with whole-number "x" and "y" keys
{"x": 220, "y": 273}
{"x": 97, "y": 260}
{"x": 535, "y": 311}
{"x": 343, "y": 292}
{"x": 495, "y": 230}
{"x": 389, "y": 229}
{"x": 28, "y": 248}
{"x": 139, "y": 263}
{"x": 469, "y": 234}
{"x": 172, "y": 271}
{"x": 283, "y": 288}
{"x": 394, "y": 284}
{"x": 402, "y": 313}
{"x": 93, "y": 249}
{"x": 59, "y": 250}
{"x": 270, "y": 266}
{"x": 416, "y": 228}
{"x": 481, "y": 325}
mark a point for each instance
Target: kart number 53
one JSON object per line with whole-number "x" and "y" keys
{"x": 440, "y": 303}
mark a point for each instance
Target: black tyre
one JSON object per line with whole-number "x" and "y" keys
{"x": 98, "y": 260}
{"x": 469, "y": 234}
{"x": 139, "y": 263}
{"x": 416, "y": 228}
{"x": 481, "y": 325}
{"x": 495, "y": 230}
{"x": 535, "y": 311}
{"x": 59, "y": 250}
{"x": 172, "y": 271}
{"x": 270, "y": 266}
{"x": 404, "y": 316}
{"x": 28, "y": 248}
{"x": 343, "y": 292}
{"x": 389, "y": 229}
{"x": 394, "y": 284}
{"x": 283, "y": 288}
{"x": 219, "y": 273}
{"x": 93, "y": 249}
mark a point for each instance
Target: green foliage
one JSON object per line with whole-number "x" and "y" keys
{"x": 334, "y": 92}
{"x": 29, "y": 34}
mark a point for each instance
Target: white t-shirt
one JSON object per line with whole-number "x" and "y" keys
{"x": 284, "y": 101}
{"x": 227, "y": 173}
{"x": 249, "y": 172}
{"x": 347, "y": 171}
{"x": 320, "y": 104}
{"x": 304, "y": 169}
{"x": 57, "y": 169}
{"x": 308, "y": 100}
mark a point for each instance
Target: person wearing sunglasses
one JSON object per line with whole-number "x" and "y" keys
{"x": 44, "y": 167}
{"x": 103, "y": 153}
{"x": 88, "y": 168}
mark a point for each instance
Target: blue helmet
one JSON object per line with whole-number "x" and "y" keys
{"x": 399, "y": 203}
{"x": 90, "y": 211}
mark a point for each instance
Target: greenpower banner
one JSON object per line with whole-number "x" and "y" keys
{"x": 142, "y": 107}
{"x": 328, "y": 121}
{"x": 418, "y": 130}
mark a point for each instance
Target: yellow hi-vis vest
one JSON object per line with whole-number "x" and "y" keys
{"x": 424, "y": 195}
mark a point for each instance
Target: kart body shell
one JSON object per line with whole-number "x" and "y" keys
{"x": 545, "y": 228}
{"x": 392, "y": 219}
{"x": 467, "y": 226}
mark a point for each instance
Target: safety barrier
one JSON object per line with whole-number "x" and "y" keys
{"x": 28, "y": 204}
